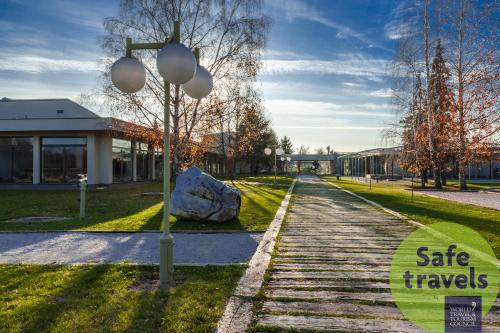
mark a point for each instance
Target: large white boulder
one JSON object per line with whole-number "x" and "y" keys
{"x": 199, "y": 196}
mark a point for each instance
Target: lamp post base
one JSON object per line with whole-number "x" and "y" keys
{"x": 166, "y": 261}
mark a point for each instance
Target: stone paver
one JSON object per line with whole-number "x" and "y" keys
{"x": 484, "y": 199}
{"x": 331, "y": 267}
{"x": 141, "y": 247}
{"x": 238, "y": 313}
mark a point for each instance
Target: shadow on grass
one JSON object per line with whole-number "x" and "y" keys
{"x": 107, "y": 207}
{"x": 40, "y": 316}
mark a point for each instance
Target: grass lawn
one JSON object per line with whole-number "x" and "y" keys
{"x": 428, "y": 210}
{"x": 473, "y": 186}
{"x": 112, "y": 298}
{"x": 125, "y": 208}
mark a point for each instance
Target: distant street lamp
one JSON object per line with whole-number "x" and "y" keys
{"x": 277, "y": 151}
{"x": 177, "y": 64}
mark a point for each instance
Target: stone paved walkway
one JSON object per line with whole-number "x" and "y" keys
{"x": 138, "y": 247}
{"x": 331, "y": 267}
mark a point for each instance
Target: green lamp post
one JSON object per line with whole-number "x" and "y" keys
{"x": 277, "y": 151}
{"x": 177, "y": 64}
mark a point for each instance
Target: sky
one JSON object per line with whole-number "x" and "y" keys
{"x": 325, "y": 77}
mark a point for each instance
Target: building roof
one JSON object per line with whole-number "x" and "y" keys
{"x": 312, "y": 157}
{"x": 42, "y": 109}
{"x": 49, "y": 115}
{"x": 374, "y": 152}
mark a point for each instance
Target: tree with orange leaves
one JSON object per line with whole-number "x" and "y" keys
{"x": 471, "y": 30}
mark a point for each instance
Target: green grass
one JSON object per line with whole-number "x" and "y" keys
{"x": 269, "y": 179}
{"x": 426, "y": 210}
{"x": 125, "y": 208}
{"x": 473, "y": 186}
{"x": 112, "y": 298}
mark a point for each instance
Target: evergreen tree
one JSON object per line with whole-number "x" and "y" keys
{"x": 286, "y": 145}
{"x": 440, "y": 103}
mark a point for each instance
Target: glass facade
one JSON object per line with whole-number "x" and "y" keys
{"x": 158, "y": 160}
{"x": 122, "y": 160}
{"x": 142, "y": 161}
{"x": 64, "y": 160}
{"x": 16, "y": 160}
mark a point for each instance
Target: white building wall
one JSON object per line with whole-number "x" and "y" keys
{"x": 92, "y": 159}
{"x": 105, "y": 159}
{"x": 134, "y": 160}
{"x": 36, "y": 160}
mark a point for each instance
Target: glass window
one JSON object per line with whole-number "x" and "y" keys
{"x": 142, "y": 161}
{"x": 119, "y": 143}
{"x": 16, "y": 160}
{"x": 64, "y": 160}
{"x": 122, "y": 160}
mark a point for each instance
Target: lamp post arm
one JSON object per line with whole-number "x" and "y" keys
{"x": 174, "y": 37}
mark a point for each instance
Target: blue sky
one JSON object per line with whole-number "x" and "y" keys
{"x": 325, "y": 79}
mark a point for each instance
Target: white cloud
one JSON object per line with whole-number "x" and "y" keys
{"x": 397, "y": 30}
{"x": 297, "y": 104}
{"x": 296, "y": 9}
{"x": 368, "y": 128}
{"x": 39, "y": 64}
{"x": 384, "y": 93}
{"x": 356, "y": 66}
{"x": 278, "y": 54}
{"x": 374, "y": 106}
{"x": 307, "y": 111}
{"x": 353, "y": 84}
{"x": 403, "y": 21}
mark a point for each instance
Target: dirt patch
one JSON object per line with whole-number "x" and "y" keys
{"x": 150, "y": 282}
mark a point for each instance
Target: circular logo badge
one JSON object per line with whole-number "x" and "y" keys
{"x": 445, "y": 278}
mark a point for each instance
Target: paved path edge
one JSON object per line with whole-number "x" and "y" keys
{"x": 238, "y": 312}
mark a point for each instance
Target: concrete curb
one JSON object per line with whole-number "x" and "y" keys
{"x": 239, "y": 309}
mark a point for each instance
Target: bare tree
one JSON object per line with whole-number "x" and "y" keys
{"x": 471, "y": 37}
{"x": 319, "y": 151}
{"x": 460, "y": 85}
{"x": 230, "y": 34}
{"x": 303, "y": 150}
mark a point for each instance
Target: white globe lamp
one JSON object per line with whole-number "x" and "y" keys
{"x": 176, "y": 63}
{"x": 267, "y": 151}
{"x": 200, "y": 85}
{"x": 128, "y": 75}
{"x": 279, "y": 151}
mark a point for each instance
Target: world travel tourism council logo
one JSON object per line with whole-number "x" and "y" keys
{"x": 445, "y": 278}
